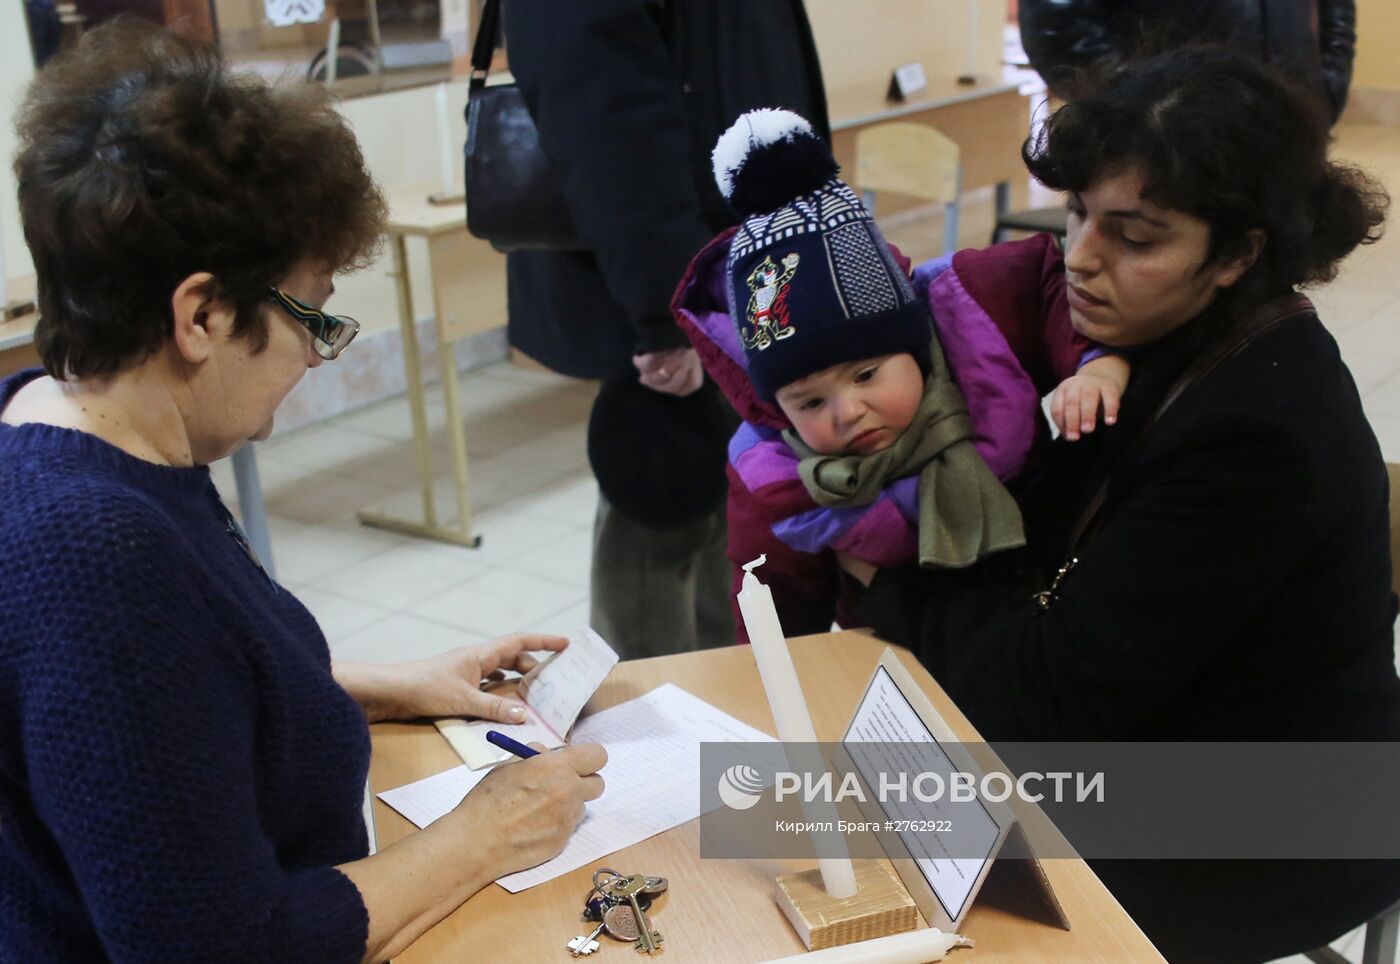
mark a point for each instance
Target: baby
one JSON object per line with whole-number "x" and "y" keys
{"x": 867, "y": 439}
{"x": 861, "y": 407}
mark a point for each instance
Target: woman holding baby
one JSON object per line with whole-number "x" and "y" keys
{"x": 1209, "y": 561}
{"x": 1215, "y": 564}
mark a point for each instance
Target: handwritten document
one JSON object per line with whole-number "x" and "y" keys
{"x": 554, "y": 694}
{"x": 652, "y": 777}
{"x": 559, "y": 687}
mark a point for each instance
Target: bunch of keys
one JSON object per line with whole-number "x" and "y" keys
{"x": 618, "y": 903}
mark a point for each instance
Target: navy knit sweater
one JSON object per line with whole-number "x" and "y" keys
{"x": 179, "y": 772}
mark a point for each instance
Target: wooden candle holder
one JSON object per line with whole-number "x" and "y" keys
{"x": 881, "y": 907}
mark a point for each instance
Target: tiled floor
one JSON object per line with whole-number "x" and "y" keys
{"x": 386, "y": 597}
{"x": 382, "y": 596}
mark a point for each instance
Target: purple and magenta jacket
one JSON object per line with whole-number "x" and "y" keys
{"x": 1003, "y": 323}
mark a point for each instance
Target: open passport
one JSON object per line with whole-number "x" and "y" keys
{"x": 554, "y": 694}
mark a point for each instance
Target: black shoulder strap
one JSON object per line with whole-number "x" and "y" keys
{"x": 487, "y": 29}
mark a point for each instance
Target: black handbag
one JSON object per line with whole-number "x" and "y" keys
{"x": 514, "y": 198}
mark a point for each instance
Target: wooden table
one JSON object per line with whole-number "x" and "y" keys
{"x": 988, "y": 121}
{"x": 723, "y": 910}
{"x": 468, "y": 298}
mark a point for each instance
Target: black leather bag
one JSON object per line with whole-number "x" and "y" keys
{"x": 513, "y": 192}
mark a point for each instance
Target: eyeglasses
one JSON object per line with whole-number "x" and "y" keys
{"x": 331, "y": 333}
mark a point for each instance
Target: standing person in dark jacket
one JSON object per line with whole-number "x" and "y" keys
{"x": 629, "y": 96}
{"x": 1238, "y": 583}
{"x": 1315, "y": 40}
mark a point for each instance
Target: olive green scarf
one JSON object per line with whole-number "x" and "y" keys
{"x": 965, "y": 513}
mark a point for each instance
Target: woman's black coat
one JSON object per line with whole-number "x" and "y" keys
{"x": 1239, "y": 588}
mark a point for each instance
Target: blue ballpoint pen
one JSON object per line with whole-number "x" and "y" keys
{"x": 499, "y": 739}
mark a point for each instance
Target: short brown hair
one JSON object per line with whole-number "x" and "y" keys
{"x": 143, "y": 161}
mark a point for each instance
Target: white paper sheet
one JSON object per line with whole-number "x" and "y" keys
{"x": 652, "y": 777}
{"x": 554, "y": 694}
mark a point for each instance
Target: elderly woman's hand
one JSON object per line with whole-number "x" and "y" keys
{"x": 521, "y": 815}
{"x": 448, "y": 684}
{"x": 529, "y": 808}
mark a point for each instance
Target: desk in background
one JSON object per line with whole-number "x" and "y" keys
{"x": 723, "y": 910}
{"x": 988, "y": 121}
{"x": 468, "y": 298}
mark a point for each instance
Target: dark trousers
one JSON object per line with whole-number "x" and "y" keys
{"x": 660, "y": 591}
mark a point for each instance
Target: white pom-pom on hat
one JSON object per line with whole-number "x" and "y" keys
{"x": 757, "y": 128}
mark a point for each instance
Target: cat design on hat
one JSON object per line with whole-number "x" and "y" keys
{"x": 768, "y": 314}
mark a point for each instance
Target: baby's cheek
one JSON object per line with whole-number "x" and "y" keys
{"x": 817, "y": 436}
{"x": 909, "y": 408}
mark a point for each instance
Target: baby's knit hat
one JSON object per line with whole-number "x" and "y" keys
{"x": 810, "y": 280}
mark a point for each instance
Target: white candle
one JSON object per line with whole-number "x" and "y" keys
{"x": 444, "y": 130}
{"x": 784, "y": 691}
{"x": 911, "y": 947}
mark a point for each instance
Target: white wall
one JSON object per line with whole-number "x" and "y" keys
{"x": 858, "y": 42}
{"x": 1378, "y": 24}
{"x": 16, "y": 70}
{"x": 862, "y": 41}
{"x": 398, "y": 135}
{"x": 397, "y": 132}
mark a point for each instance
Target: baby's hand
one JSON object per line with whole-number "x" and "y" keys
{"x": 1074, "y": 405}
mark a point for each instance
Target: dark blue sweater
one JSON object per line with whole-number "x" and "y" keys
{"x": 179, "y": 772}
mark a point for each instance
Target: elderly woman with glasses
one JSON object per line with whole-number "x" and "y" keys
{"x": 182, "y": 768}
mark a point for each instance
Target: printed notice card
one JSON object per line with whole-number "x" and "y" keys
{"x": 944, "y": 845}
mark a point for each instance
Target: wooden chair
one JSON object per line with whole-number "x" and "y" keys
{"x": 911, "y": 159}
{"x": 1383, "y": 930}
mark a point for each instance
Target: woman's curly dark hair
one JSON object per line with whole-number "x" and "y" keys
{"x": 142, "y": 161}
{"x": 1230, "y": 141}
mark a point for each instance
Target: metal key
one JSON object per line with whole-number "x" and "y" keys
{"x": 627, "y": 888}
{"x": 583, "y": 946}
